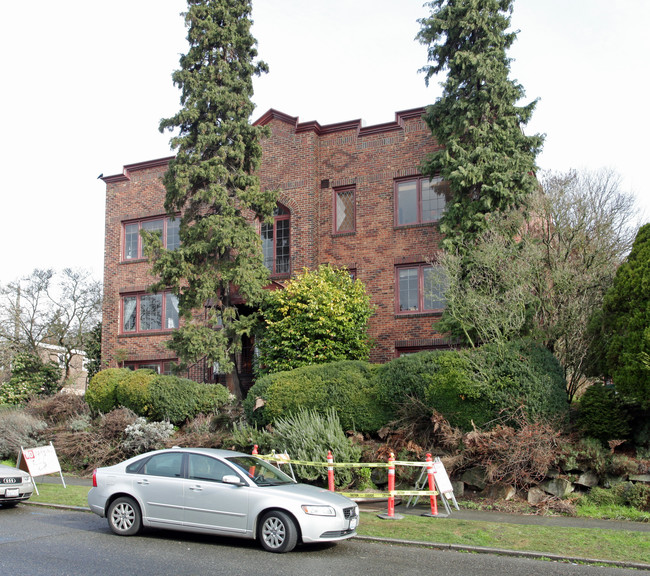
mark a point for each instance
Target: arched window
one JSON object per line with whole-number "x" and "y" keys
{"x": 275, "y": 242}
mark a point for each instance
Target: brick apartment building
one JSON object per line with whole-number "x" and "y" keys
{"x": 349, "y": 195}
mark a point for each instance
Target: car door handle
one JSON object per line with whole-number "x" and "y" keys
{"x": 196, "y": 488}
{"x": 144, "y": 482}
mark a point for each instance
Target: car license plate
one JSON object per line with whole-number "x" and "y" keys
{"x": 354, "y": 522}
{"x": 12, "y": 493}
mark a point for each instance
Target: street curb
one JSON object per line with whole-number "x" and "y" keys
{"x": 440, "y": 546}
{"x": 503, "y": 552}
{"x": 58, "y": 506}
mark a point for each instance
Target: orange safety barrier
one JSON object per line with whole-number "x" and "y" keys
{"x": 432, "y": 486}
{"x": 330, "y": 471}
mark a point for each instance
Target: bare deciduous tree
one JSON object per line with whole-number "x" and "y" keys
{"x": 46, "y": 308}
{"x": 549, "y": 280}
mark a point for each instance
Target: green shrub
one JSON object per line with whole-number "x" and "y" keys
{"x": 406, "y": 376}
{"x": 133, "y": 391}
{"x": 178, "y": 399}
{"x": 602, "y": 415}
{"x": 30, "y": 377}
{"x": 475, "y": 386}
{"x": 454, "y": 391}
{"x": 102, "y": 389}
{"x": 307, "y": 435}
{"x": 522, "y": 373}
{"x": 638, "y": 496}
{"x": 245, "y": 436}
{"x": 349, "y": 387}
{"x": 625, "y": 494}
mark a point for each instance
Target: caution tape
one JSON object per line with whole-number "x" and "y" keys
{"x": 392, "y": 493}
{"x": 282, "y": 459}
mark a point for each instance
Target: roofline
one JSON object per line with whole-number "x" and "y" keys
{"x": 136, "y": 167}
{"x": 318, "y": 129}
{"x": 299, "y": 127}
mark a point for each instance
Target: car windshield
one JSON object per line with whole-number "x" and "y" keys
{"x": 261, "y": 472}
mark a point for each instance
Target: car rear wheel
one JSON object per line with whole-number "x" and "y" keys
{"x": 278, "y": 532}
{"x": 124, "y": 517}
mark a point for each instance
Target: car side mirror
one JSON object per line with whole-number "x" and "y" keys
{"x": 232, "y": 479}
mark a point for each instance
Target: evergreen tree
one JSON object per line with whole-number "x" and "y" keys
{"x": 212, "y": 184}
{"x": 486, "y": 158}
{"x": 626, "y": 323}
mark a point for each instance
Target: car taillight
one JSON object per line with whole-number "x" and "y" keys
{"x": 95, "y": 478}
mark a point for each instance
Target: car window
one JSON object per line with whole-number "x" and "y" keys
{"x": 167, "y": 464}
{"x": 135, "y": 467}
{"x": 202, "y": 467}
{"x": 259, "y": 471}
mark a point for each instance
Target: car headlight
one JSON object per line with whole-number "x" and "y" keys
{"x": 318, "y": 510}
{"x": 27, "y": 480}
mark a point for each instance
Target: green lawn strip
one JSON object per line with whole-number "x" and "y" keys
{"x": 56, "y": 494}
{"x": 593, "y": 543}
{"x": 612, "y": 512}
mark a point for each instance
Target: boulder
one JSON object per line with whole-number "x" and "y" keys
{"x": 459, "y": 488}
{"x": 552, "y": 473}
{"x": 645, "y": 478}
{"x": 474, "y": 477}
{"x": 499, "y": 492}
{"x": 587, "y": 479}
{"x": 559, "y": 487}
{"x": 536, "y": 495}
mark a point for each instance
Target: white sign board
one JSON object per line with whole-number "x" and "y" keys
{"x": 442, "y": 480}
{"x": 41, "y": 460}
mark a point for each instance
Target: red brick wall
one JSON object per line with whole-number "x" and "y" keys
{"x": 304, "y": 162}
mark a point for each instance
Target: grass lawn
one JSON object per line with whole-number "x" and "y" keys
{"x": 593, "y": 543}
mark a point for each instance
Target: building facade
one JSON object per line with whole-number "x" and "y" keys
{"x": 348, "y": 195}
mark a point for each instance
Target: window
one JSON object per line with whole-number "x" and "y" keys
{"x": 344, "y": 210}
{"x": 202, "y": 467}
{"x": 149, "y": 312}
{"x": 419, "y": 201}
{"x": 420, "y": 288}
{"x": 275, "y": 242}
{"x": 162, "y": 367}
{"x": 166, "y": 228}
{"x": 168, "y": 464}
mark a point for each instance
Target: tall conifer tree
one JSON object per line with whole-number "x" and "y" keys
{"x": 486, "y": 158}
{"x": 212, "y": 184}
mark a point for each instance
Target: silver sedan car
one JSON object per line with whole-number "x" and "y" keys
{"x": 219, "y": 492}
{"x": 15, "y": 486}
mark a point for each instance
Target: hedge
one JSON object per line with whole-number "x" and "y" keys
{"x": 347, "y": 386}
{"x": 469, "y": 387}
{"x": 154, "y": 396}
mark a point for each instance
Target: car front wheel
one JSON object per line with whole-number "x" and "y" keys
{"x": 124, "y": 517}
{"x": 278, "y": 532}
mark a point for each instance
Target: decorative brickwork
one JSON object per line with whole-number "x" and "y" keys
{"x": 305, "y": 162}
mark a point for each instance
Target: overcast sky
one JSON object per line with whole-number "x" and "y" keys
{"x": 86, "y": 83}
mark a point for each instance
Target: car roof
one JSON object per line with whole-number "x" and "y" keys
{"x": 207, "y": 451}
